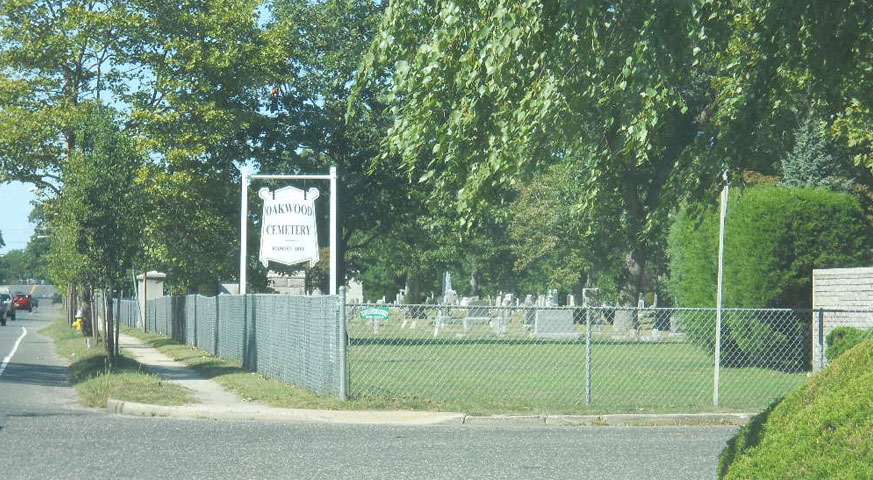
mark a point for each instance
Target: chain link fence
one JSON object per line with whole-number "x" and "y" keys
{"x": 574, "y": 359}
{"x": 483, "y": 358}
{"x": 292, "y": 339}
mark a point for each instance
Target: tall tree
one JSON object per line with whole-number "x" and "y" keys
{"x": 323, "y": 43}
{"x": 190, "y": 77}
{"x": 484, "y": 93}
{"x": 96, "y": 217}
{"x": 786, "y": 61}
{"x": 197, "y": 105}
{"x": 54, "y": 55}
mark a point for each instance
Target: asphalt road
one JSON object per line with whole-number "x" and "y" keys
{"x": 34, "y": 380}
{"x": 43, "y": 434}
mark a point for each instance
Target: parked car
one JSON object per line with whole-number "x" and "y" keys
{"x": 7, "y": 308}
{"x": 23, "y": 301}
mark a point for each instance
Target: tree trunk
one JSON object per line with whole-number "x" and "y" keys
{"x": 72, "y": 303}
{"x": 109, "y": 331}
{"x": 636, "y": 266}
{"x": 117, "y": 325}
{"x": 413, "y": 288}
{"x": 92, "y": 315}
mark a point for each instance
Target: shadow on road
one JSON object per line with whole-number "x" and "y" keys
{"x": 30, "y": 374}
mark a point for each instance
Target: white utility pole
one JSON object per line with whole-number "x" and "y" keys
{"x": 720, "y": 285}
{"x": 243, "y": 230}
{"x": 334, "y": 220}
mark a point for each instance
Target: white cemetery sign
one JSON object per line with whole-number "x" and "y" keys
{"x": 288, "y": 231}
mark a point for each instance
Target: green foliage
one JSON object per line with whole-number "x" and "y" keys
{"x": 95, "y": 219}
{"x": 54, "y": 57}
{"x": 810, "y": 162}
{"x": 24, "y": 264}
{"x": 786, "y": 58}
{"x": 774, "y": 238}
{"x": 819, "y": 431}
{"x": 559, "y": 246}
{"x": 748, "y": 437}
{"x": 483, "y": 96}
{"x": 841, "y": 339}
{"x": 14, "y": 265}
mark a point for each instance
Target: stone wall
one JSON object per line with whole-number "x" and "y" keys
{"x": 849, "y": 290}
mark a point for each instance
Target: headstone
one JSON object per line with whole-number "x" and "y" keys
{"x": 552, "y": 298}
{"x": 355, "y": 292}
{"x": 450, "y": 298}
{"x": 554, "y": 323}
{"x": 541, "y": 300}
{"x": 624, "y": 320}
{"x": 675, "y": 324}
{"x": 528, "y": 300}
{"x": 571, "y": 300}
{"x": 449, "y": 295}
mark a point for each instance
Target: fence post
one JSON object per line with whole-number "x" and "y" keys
{"x": 587, "y": 355}
{"x": 343, "y": 351}
{"x": 821, "y": 343}
{"x": 215, "y": 330}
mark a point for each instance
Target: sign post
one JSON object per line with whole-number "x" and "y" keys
{"x": 291, "y": 238}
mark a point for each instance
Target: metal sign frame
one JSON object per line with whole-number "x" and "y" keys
{"x": 244, "y": 214}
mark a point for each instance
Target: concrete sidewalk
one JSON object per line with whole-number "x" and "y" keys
{"x": 216, "y": 403}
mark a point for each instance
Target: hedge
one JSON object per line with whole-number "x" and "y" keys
{"x": 775, "y": 237}
{"x": 819, "y": 431}
{"x": 841, "y": 339}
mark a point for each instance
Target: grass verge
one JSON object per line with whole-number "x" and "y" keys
{"x": 94, "y": 384}
{"x": 821, "y": 431}
{"x": 251, "y": 386}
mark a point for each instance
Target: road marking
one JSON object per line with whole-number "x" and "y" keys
{"x": 14, "y": 348}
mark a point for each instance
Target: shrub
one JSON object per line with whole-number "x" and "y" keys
{"x": 775, "y": 236}
{"x": 841, "y": 339}
{"x": 819, "y": 431}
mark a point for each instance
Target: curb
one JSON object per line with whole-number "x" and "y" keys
{"x": 613, "y": 420}
{"x": 406, "y": 417}
{"x": 268, "y": 414}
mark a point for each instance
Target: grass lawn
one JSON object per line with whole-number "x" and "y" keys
{"x": 95, "y": 384}
{"x": 486, "y": 374}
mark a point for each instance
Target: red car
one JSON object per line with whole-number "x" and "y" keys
{"x": 22, "y": 301}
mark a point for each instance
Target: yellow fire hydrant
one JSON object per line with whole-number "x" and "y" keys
{"x": 82, "y": 325}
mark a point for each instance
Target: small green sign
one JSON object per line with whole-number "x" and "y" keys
{"x": 374, "y": 313}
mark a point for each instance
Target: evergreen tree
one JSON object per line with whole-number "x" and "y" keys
{"x": 810, "y": 163}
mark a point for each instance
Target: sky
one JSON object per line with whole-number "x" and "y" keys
{"x": 14, "y": 208}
